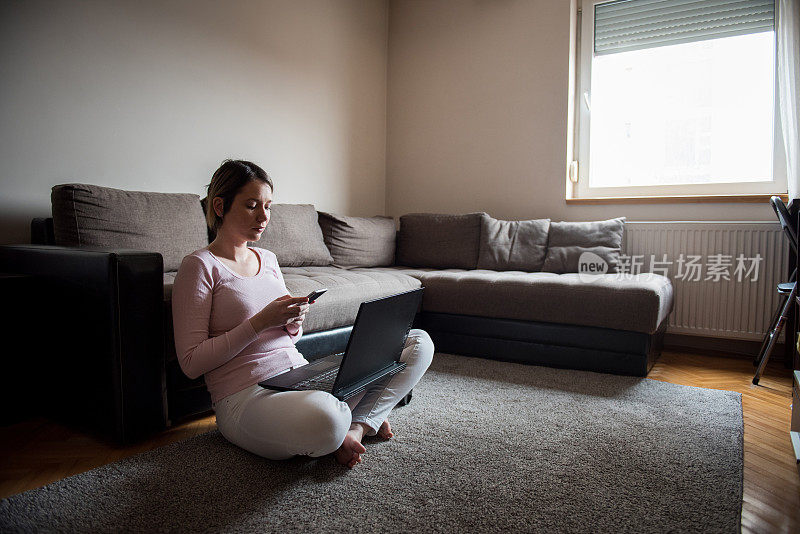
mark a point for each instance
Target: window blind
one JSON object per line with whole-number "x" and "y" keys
{"x": 626, "y": 25}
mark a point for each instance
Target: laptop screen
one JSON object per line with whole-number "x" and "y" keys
{"x": 378, "y": 336}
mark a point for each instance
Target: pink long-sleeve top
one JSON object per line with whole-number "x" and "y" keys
{"x": 211, "y": 308}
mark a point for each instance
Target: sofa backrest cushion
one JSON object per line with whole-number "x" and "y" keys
{"x": 513, "y": 245}
{"x": 439, "y": 241}
{"x": 359, "y": 241}
{"x": 568, "y": 240}
{"x": 171, "y": 224}
{"x": 294, "y": 235}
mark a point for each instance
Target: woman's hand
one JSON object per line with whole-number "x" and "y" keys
{"x": 280, "y": 312}
{"x": 304, "y": 309}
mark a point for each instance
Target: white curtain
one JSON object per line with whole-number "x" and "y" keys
{"x": 788, "y": 84}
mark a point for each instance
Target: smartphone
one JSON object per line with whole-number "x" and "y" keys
{"x": 314, "y": 295}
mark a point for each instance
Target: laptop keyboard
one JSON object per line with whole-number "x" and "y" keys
{"x": 323, "y": 381}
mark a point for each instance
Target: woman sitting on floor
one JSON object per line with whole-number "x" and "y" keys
{"x": 236, "y": 324}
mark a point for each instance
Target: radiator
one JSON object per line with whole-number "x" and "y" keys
{"x": 740, "y": 307}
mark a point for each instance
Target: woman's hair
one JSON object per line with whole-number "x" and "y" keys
{"x": 226, "y": 182}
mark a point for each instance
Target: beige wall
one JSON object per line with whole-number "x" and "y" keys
{"x": 477, "y": 114}
{"x": 152, "y": 95}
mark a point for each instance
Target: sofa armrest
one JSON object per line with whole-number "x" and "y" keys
{"x": 101, "y": 342}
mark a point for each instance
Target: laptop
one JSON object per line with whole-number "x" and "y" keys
{"x": 373, "y": 351}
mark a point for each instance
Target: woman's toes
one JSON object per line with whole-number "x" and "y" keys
{"x": 343, "y": 456}
{"x": 385, "y": 430}
{"x": 347, "y": 457}
{"x": 350, "y": 452}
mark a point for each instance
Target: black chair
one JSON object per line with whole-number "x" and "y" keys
{"x": 787, "y": 290}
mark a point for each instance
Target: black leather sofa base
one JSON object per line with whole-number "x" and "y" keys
{"x": 100, "y": 346}
{"x": 575, "y": 347}
{"x": 554, "y": 345}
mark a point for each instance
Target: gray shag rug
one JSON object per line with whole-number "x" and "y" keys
{"x": 484, "y": 446}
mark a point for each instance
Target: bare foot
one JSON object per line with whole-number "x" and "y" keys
{"x": 349, "y": 453}
{"x": 385, "y": 431}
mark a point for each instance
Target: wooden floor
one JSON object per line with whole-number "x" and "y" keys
{"x": 37, "y": 452}
{"x": 771, "y": 499}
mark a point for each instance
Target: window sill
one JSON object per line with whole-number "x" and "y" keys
{"x": 679, "y": 199}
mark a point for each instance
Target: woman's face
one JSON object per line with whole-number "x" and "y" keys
{"x": 249, "y": 213}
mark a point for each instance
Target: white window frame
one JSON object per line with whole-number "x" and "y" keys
{"x": 578, "y": 172}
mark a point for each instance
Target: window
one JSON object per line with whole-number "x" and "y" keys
{"x": 677, "y": 97}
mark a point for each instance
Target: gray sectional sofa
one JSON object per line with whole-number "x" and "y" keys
{"x": 496, "y": 289}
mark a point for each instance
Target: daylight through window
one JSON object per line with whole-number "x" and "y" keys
{"x": 677, "y": 98}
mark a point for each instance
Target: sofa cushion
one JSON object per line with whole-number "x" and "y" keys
{"x": 359, "y": 241}
{"x": 295, "y": 237}
{"x": 438, "y": 240}
{"x": 637, "y": 303}
{"x": 171, "y": 224}
{"x": 347, "y": 289}
{"x": 513, "y": 245}
{"x": 568, "y": 240}
{"x": 414, "y": 272}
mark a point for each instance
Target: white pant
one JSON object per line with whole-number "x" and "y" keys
{"x": 281, "y": 424}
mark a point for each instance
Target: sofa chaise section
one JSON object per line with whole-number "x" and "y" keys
{"x": 611, "y": 322}
{"x": 608, "y": 323}
{"x": 638, "y": 303}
